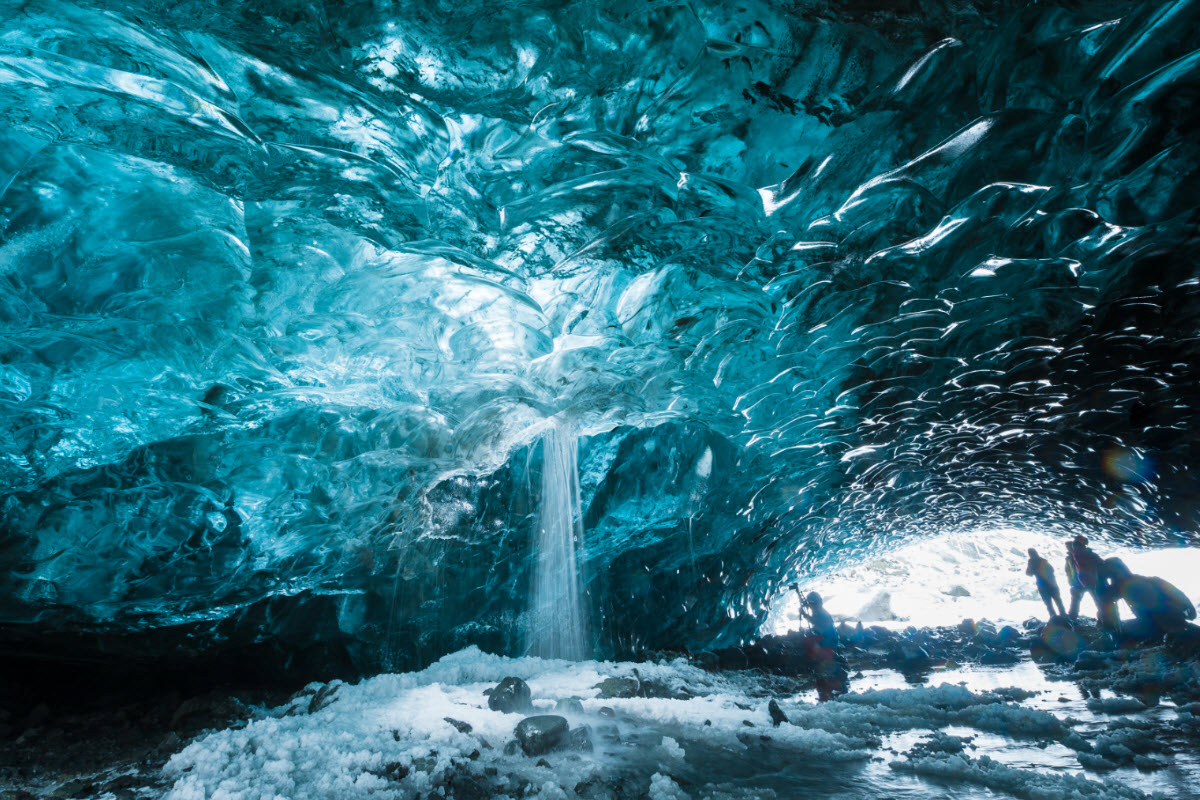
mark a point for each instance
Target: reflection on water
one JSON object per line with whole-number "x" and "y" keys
{"x": 767, "y": 765}
{"x": 1064, "y": 698}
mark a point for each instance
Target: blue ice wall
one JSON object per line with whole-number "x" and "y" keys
{"x": 288, "y": 292}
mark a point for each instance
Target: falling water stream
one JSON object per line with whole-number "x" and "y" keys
{"x": 558, "y": 625}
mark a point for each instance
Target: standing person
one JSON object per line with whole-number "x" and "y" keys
{"x": 812, "y": 610}
{"x": 1046, "y": 584}
{"x": 1087, "y": 568}
{"x": 822, "y": 646}
{"x": 1073, "y": 582}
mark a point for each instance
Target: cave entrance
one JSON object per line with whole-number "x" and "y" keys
{"x": 977, "y": 575}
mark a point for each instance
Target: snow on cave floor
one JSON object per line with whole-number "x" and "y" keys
{"x": 388, "y": 737}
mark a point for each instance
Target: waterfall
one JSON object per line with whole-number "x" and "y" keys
{"x": 558, "y": 626}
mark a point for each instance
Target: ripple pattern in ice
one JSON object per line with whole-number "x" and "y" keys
{"x": 287, "y": 291}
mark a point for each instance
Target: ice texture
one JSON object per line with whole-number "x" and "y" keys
{"x": 1017, "y": 783}
{"x": 290, "y": 292}
{"x": 401, "y": 736}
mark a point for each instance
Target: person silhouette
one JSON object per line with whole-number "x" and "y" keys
{"x": 1047, "y": 586}
{"x": 1159, "y": 606}
{"x": 823, "y": 646}
{"x": 1073, "y": 582}
{"x": 1087, "y": 567}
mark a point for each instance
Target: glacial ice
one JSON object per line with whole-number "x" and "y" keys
{"x": 717, "y": 743}
{"x": 290, "y": 294}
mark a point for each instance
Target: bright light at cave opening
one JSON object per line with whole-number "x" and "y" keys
{"x": 980, "y": 575}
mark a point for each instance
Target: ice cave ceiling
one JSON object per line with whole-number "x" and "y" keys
{"x": 290, "y": 290}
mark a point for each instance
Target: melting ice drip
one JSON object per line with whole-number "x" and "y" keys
{"x": 558, "y": 625}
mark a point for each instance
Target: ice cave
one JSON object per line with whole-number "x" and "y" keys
{"x": 586, "y": 400}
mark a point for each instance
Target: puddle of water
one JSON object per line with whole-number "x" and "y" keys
{"x": 1067, "y": 701}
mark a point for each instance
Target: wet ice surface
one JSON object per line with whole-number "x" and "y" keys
{"x": 708, "y": 735}
{"x": 1053, "y": 692}
{"x": 289, "y": 297}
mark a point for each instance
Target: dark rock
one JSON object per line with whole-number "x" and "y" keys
{"x": 909, "y": 657}
{"x": 170, "y": 743}
{"x": 581, "y": 739}
{"x": 569, "y": 705}
{"x": 324, "y": 696}
{"x": 80, "y": 787}
{"x": 1061, "y": 639}
{"x": 879, "y": 633}
{"x": 511, "y": 695}
{"x": 757, "y": 656}
{"x": 1041, "y": 653}
{"x": 594, "y": 789}
{"x": 618, "y": 687}
{"x": 395, "y": 771}
{"x": 609, "y": 733}
{"x": 733, "y": 658}
{"x": 465, "y": 786}
{"x": 777, "y": 715}
{"x": 459, "y": 725}
{"x": 212, "y": 710}
{"x": 425, "y": 763}
{"x": 511, "y": 747}
{"x": 541, "y": 734}
{"x": 605, "y": 711}
{"x": 541, "y": 762}
{"x": 120, "y": 783}
{"x": 1089, "y": 660}
{"x": 1185, "y": 643}
{"x": 999, "y": 658}
{"x": 986, "y": 634}
{"x": 651, "y": 688}
{"x": 1008, "y": 636}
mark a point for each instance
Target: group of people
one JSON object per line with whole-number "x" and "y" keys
{"x": 1158, "y": 606}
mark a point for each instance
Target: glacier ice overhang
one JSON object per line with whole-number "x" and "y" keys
{"x": 289, "y": 291}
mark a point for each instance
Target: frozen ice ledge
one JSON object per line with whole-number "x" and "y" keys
{"x": 289, "y": 293}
